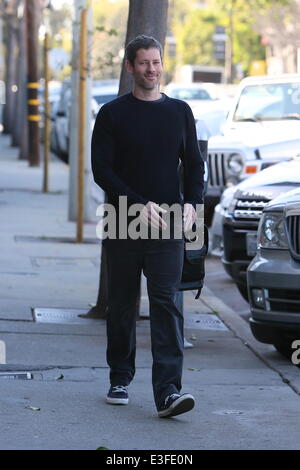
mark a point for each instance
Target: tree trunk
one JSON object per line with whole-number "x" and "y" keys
{"x": 145, "y": 17}
{"x": 1, "y": 56}
{"x": 10, "y": 75}
{"x": 22, "y": 93}
{"x": 150, "y": 18}
{"x": 21, "y": 101}
{"x": 33, "y": 75}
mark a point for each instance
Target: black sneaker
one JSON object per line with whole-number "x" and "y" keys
{"x": 117, "y": 395}
{"x": 176, "y": 404}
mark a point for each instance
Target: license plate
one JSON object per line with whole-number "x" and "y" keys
{"x": 251, "y": 242}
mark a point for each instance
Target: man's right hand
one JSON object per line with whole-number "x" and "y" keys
{"x": 150, "y": 215}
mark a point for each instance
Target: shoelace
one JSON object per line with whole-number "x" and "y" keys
{"x": 119, "y": 389}
{"x": 172, "y": 396}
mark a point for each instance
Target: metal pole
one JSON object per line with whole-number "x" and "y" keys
{"x": 33, "y": 117}
{"x": 46, "y": 116}
{"x": 23, "y": 153}
{"x": 89, "y": 214}
{"x": 82, "y": 123}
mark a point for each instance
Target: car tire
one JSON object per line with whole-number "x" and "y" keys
{"x": 243, "y": 291}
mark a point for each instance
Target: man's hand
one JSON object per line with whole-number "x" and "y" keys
{"x": 150, "y": 215}
{"x": 189, "y": 217}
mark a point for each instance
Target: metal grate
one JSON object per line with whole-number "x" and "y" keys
{"x": 60, "y": 315}
{"x": 293, "y": 227}
{"x": 216, "y": 162}
{"x": 249, "y": 209}
{"x": 16, "y": 375}
{"x": 204, "y": 321}
{"x": 284, "y": 300}
{"x": 63, "y": 262}
{"x": 46, "y": 239}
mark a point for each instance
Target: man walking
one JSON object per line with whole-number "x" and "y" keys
{"x": 137, "y": 144}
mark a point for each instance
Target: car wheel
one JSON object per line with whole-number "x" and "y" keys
{"x": 243, "y": 291}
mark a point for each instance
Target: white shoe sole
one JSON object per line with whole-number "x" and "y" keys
{"x": 182, "y": 405}
{"x": 187, "y": 344}
{"x": 117, "y": 401}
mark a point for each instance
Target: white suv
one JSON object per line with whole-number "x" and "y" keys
{"x": 262, "y": 128}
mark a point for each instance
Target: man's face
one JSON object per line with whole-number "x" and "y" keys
{"x": 147, "y": 68}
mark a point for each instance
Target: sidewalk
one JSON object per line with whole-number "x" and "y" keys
{"x": 247, "y": 395}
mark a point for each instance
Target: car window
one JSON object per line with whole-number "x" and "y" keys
{"x": 189, "y": 94}
{"x": 102, "y": 99}
{"x": 269, "y": 102}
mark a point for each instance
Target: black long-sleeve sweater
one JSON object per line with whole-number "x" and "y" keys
{"x": 136, "y": 148}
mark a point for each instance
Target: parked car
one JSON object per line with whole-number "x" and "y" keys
{"x": 211, "y": 117}
{"x": 236, "y": 219}
{"x": 105, "y": 93}
{"x": 274, "y": 274}
{"x": 192, "y": 93}
{"x": 262, "y": 128}
{"x": 60, "y": 123}
{"x": 227, "y": 201}
{"x": 61, "y": 120}
{"x": 54, "y": 91}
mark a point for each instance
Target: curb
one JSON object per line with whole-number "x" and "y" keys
{"x": 241, "y": 330}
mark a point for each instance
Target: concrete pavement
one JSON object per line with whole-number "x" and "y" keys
{"x": 247, "y": 395}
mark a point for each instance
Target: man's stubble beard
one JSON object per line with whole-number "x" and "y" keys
{"x": 142, "y": 83}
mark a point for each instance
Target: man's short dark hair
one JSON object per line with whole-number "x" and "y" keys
{"x": 141, "y": 42}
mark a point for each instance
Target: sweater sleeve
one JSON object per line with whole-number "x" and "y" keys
{"x": 193, "y": 162}
{"x": 103, "y": 153}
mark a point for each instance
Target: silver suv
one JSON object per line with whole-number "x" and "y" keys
{"x": 274, "y": 274}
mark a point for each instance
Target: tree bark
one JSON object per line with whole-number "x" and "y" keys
{"x": 10, "y": 74}
{"x": 22, "y": 94}
{"x": 145, "y": 17}
{"x": 150, "y": 18}
{"x": 33, "y": 75}
{"x": 21, "y": 98}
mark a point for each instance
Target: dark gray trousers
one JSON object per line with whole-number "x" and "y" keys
{"x": 161, "y": 262}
